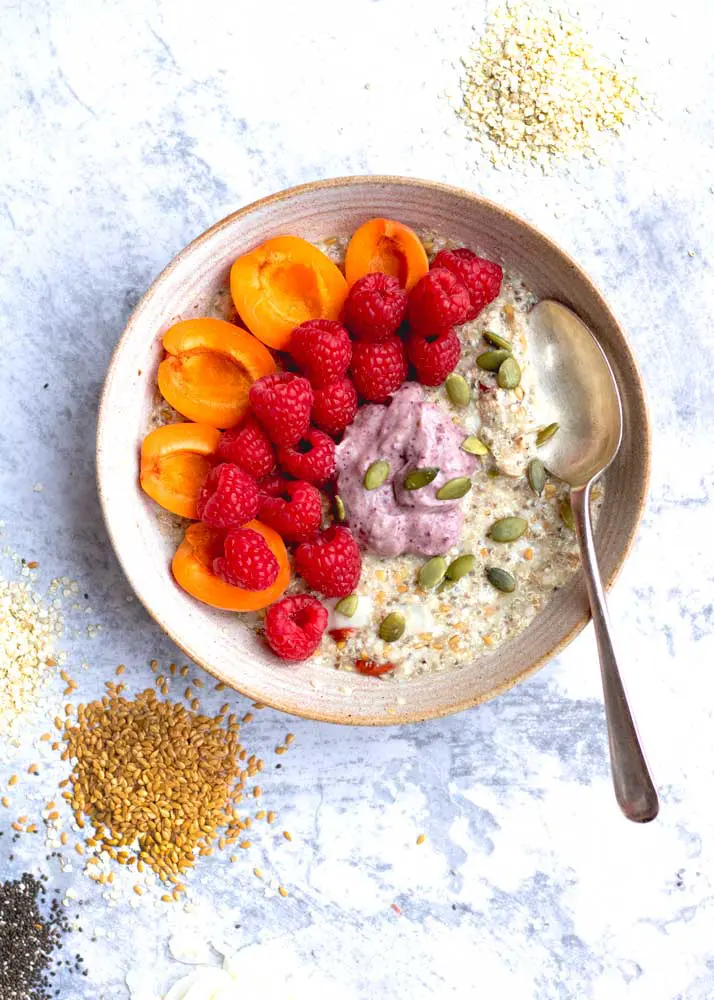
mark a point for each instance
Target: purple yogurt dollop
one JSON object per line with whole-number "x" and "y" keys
{"x": 409, "y": 433}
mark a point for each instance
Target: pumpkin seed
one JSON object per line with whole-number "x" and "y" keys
{"x": 537, "y": 475}
{"x": 474, "y": 446}
{"x": 507, "y": 529}
{"x": 496, "y": 341}
{"x": 493, "y": 473}
{"x": 457, "y": 389}
{"x": 501, "y": 579}
{"x": 491, "y": 361}
{"x": 460, "y": 567}
{"x": 417, "y": 479}
{"x": 454, "y": 489}
{"x": 392, "y": 627}
{"x": 376, "y": 474}
{"x": 347, "y": 606}
{"x": 546, "y": 433}
{"x": 509, "y": 374}
{"x": 340, "y": 512}
{"x": 566, "y": 513}
{"x": 432, "y": 572}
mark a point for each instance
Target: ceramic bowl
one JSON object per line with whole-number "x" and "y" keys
{"x": 145, "y": 541}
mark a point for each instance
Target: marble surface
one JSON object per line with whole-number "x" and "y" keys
{"x": 129, "y": 127}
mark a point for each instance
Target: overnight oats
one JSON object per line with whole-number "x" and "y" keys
{"x": 360, "y": 459}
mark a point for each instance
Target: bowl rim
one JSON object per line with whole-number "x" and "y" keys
{"x": 403, "y": 715}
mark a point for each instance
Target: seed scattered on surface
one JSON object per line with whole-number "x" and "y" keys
{"x": 348, "y": 605}
{"x": 501, "y": 579}
{"x": 12, "y": 780}
{"x": 546, "y": 433}
{"x": 340, "y": 512}
{"x": 474, "y": 446}
{"x": 496, "y": 340}
{"x": 376, "y": 475}
{"x": 537, "y": 475}
{"x": 290, "y": 738}
{"x": 283, "y": 891}
{"x": 457, "y": 389}
{"x": 417, "y": 479}
{"x": 491, "y": 361}
{"x": 460, "y": 567}
{"x": 566, "y": 513}
{"x": 392, "y": 627}
{"x": 432, "y": 572}
{"x": 420, "y": 839}
{"x": 454, "y": 489}
{"x": 509, "y": 374}
{"x": 507, "y": 529}
{"x": 287, "y": 835}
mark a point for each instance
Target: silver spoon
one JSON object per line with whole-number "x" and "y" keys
{"x": 578, "y": 387}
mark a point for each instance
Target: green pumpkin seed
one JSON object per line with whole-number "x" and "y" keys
{"x": 432, "y": 573}
{"x": 392, "y": 627}
{"x": 566, "y": 513}
{"x": 340, "y": 512}
{"x": 537, "y": 475}
{"x": 546, "y": 433}
{"x": 460, "y": 567}
{"x": 417, "y": 479}
{"x": 507, "y": 529}
{"x": 474, "y": 446}
{"x": 501, "y": 579}
{"x": 376, "y": 474}
{"x": 509, "y": 374}
{"x": 493, "y": 473}
{"x": 495, "y": 341}
{"x": 454, "y": 489}
{"x": 457, "y": 389}
{"x": 491, "y": 361}
{"x": 347, "y": 606}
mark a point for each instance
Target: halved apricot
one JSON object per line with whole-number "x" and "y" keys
{"x": 192, "y": 568}
{"x": 175, "y": 460}
{"x": 387, "y": 246}
{"x": 281, "y": 284}
{"x": 209, "y": 369}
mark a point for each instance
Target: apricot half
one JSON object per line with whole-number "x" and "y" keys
{"x": 389, "y": 247}
{"x": 209, "y": 369}
{"x": 175, "y": 460}
{"x": 192, "y": 568}
{"x": 281, "y": 284}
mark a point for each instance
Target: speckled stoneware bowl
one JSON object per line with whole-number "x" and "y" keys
{"x": 216, "y": 639}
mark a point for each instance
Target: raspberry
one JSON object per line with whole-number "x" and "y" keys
{"x": 378, "y": 369}
{"x": 248, "y": 447}
{"x": 437, "y": 302}
{"x": 375, "y": 307}
{"x": 247, "y": 561}
{"x": 229, "y": 498}
{"x": 322, "y": 349}
{"x": 334, "y": 406}
{"x": 282, "y": 403}
{"x": 480, "y": 277}
{"x": 294, "y": 626}
{"x": 311, "y": 459}
{"x": 331, "y": 564}
{"x": 293, "y": 509}
{"x": 434, "y": 357}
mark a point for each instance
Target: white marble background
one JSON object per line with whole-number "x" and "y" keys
{"x": 131, "y": 125}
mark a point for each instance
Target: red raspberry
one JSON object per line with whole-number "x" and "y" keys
{"x": 293, "y": 509}
{"x": 435, "y": 356}
{"x": 294, "y": 626}
{"x": 480, "y": 277}
{"x": 311, "y": 459}
{"x": 375, "y": 307}
{"x": 437, "y": 302}
{"x": 248, "y": 447}
{"x": 378, "y": 369}
{"x": 229, "y": 498}
{"x": 322, "y": 349}
{"x": 247, "y": 561}
{"x": 282, "y": 403}
{"x": 334, "y": 406}
{"x": 331, "y": 564}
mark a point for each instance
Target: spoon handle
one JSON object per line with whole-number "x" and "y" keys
{"x": 634, "y": 789}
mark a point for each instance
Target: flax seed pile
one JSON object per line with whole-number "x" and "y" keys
{"x": 534, "y": 89}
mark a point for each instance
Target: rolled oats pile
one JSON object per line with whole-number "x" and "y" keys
{"x": 535, "y": 90}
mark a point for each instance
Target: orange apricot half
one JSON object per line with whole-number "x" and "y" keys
{"x": 175, "y": 460}
{"x": 209, "y": 368}
{"x": 281, "y": 284}
{"x": 389, "y": 247}
{"x": 192, "y": 568}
